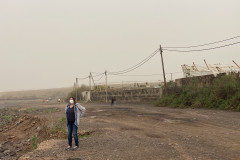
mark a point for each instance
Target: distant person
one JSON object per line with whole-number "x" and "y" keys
{"x": 114, "y": 101}
{"x": 74, "y": 111}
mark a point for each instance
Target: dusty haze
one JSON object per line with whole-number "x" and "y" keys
{"x": 46, "y": 44}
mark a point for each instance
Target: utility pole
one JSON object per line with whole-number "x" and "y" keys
{"x": 171, "y": 76}
{"x": 92, "y": 80}
{"x": 206, "y": 64}
{"x": 106, "y": 85}
{"x": 165, "y": 83}
{"x": 76, "y": 87}
{"x": 236, "y": 63}
{"x": 90, "y": 87}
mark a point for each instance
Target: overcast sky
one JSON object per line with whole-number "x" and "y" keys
{"x": 47, "y": 43}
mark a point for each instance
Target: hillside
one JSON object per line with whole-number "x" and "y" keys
{"x": 36, "y": 94}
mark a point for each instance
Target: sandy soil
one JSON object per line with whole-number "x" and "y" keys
{"x": 125, "y": 131}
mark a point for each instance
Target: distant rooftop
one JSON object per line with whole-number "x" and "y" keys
{"x": 196, "y": 70}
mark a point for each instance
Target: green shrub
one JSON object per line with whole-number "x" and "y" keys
{"x": 223, "y": 94}
{"x": 35, "y": 142}
{"x": 9, "y": 118}
{"x": 79, "y": 91}
{"x": 59, "y": 126}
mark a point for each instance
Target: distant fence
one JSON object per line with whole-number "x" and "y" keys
{"x": 152, "y": 94}
{"x": 131, "y": 95}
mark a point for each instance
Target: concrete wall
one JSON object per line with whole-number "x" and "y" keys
{"x": 205, "y": 80}
{"x": 134, "y": 95}
{"x": 151, "y": 94}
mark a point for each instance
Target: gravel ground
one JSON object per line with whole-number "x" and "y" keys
{"x": 143, "y": 132}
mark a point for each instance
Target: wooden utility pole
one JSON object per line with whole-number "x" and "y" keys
{"x": 236, "y": 63}
{"x": 106, "y": 87}
{"x": 90, "y": 87}
{"x": 92, "y": 80}
{"x": 76, "y": 87}
{"x": 206, "y": 64}
{"x": 165, "y": 82}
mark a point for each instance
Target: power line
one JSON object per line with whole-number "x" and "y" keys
{"x": 164, "y": 48}
{"x": 97, "y": 73}
{"x": 126, "y": 70}
{"x": 83, "y": 78}
{"x": 100, "y": 74}
{"x": 92, "y": 76}
{"x": 206, "y": 43}
{"x": 147, "y": 75}
{"x": 100, "y": 78}
{"x": 135, "y": 66}
{"x": 198, "y": 50}
{"x": 139, "y": 75}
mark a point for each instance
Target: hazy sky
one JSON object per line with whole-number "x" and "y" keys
{"x": 47, "y": 43}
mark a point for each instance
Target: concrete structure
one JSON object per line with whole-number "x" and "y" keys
{"x": 86, "y": 95}
{"x": 131, "y": 95}
{"x": 210, "y": 69}
{"x": 205, "y": 80}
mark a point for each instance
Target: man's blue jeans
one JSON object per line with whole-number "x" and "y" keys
{"x": 72, "y": 129}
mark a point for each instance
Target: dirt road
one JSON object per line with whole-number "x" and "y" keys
{"x": 144, "y": 132}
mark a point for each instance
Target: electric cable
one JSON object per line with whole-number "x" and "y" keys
{"x": 83, "y": 78}
{"x": 206, "y": 43}
{"x": 199, "y": 50}
{"x": 135, "y": 66}
{"x": 99, "y": 78}
{"x": 140, "y": 75}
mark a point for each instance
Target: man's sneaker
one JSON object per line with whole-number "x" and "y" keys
{"x": 75, "y": 148}
{"x": 68, "y": 148}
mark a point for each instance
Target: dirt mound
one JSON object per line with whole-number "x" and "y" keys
{"x": 25, "y": 127}
{"x": 27, "y": 133}
{"x": 22, "y": 136}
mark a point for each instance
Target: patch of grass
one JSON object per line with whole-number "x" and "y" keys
{"x": 63, "y": 120}
{"x": 54, "y": 131}
{"x": 35, "y": 142}
{"x": 35, "y": 145}
{"x": 52, "y": 110}
{"x": 223, "y": 94}
{"x": 64, "y": 131}
{"x": 8, "y": 118}
{"x": 32, "y": 109}
{"x": 85, "y": 136}
{"x": 59, "y": 126}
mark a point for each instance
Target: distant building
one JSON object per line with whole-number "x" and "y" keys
{"x": 215, "y": 69}
{"x": 86, "y": 96}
